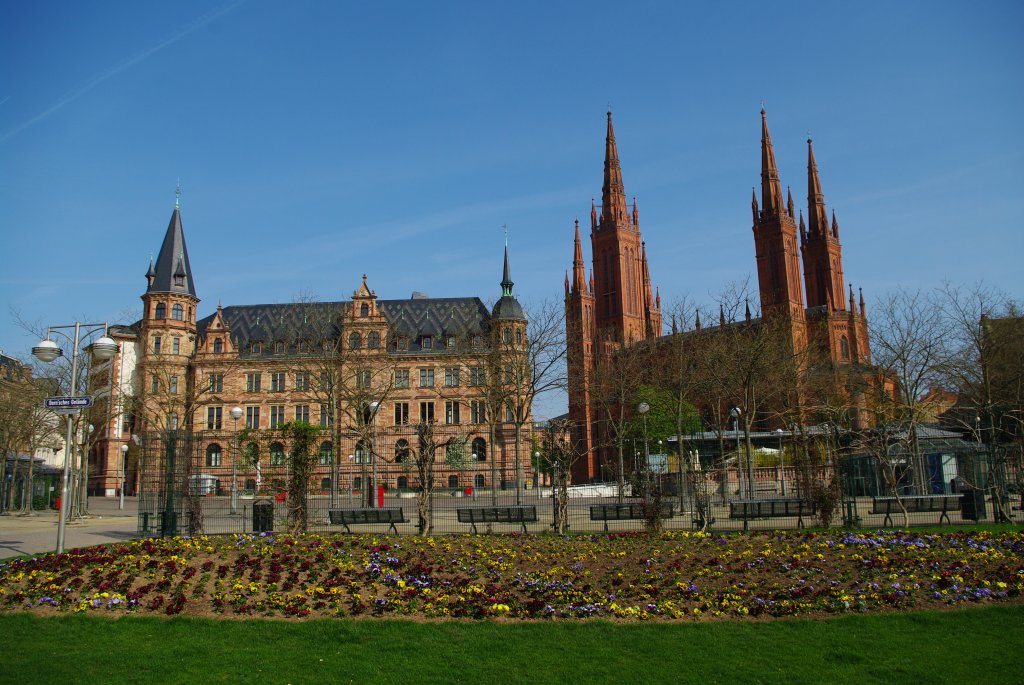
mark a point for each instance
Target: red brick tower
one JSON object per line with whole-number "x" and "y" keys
{"x": 775, "y": 242}
{"x": 579, "y": 322}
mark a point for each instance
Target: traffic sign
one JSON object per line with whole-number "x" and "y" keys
{"x": 67, "y": 405}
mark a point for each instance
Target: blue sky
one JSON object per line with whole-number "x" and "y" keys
{"x": 316, "y": 141}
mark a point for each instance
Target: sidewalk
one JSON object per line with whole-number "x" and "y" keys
{"x": 38, "y": 534}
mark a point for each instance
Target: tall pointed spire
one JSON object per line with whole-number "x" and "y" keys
{"x": 506, "y": 277}
{"x": 753, "y": 203}
{"x": 817, "y": 215}
{"x": 579, "y": 282}
{"x": 789, "y": 202}
{"x": 613, "y": 193}
{"x": 593, "y": 215}
{"x": 771, "y": 189}
{"x": 172, "y": 271}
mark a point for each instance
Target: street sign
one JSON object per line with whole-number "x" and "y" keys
{"x": 67, "y": 405}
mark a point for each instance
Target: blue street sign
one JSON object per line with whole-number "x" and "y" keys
{"x": 67, "y": 404}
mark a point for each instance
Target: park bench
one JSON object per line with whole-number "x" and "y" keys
{"x": 475, "y": 515}
{"x": 368, "y": 515}
{"x": 915, "y": 504}
{"x": 625, "y": 512}
{"x": 747, "y": 509}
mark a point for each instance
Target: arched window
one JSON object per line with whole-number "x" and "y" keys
{"x": 453, "y": 481}
{"x": 479, "y": 449}
{"x": 277, "y": 454}
{"x": 172, "y": 421}
{"x": 326, "y": 452}
{"x": 362, "y": 453}
{"x": 325, "y": 484}
{"x": 373, "y": 340}
{"x": 354, "y": 341}
{"x": 364, "y": 310}
{"x": 519, "y": 336}
{"x": 213, "y": 455}
{"x": 357, "y": 483}
{"x": 177, "y": 312}
{"x": 218, "y": 346}
{"x": 401, "y": 451}
{"x": 161, "y": 311}
{"x": 506, "y": 335}
{"x": 479, "y": 480}
{"x": 250, "y": 484}
{"x": 403, "y": 483}
{"x": 844, "y": 347}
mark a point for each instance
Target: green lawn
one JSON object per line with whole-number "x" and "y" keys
{"x": 975, "y": 645}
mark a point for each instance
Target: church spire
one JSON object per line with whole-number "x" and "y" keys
{"x": 579, "y": 282}
{"x": 771, "y": 189}
{"x": 172, "y": 272}
{"x": 613, "y": 193}
{"x": 506, "y": 277}
{"x": 817, "y": 215}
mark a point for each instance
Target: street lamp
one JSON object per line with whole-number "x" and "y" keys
{"x": 735, "y": 413}
{"x": 374, "y": 406}
{"x": 780, "y": 466}
{"x": 643, "y": 408}
{"x": 124, "y": 468}
{"x": 536, "y": 472}
{"x": 103, "y": 348}
{"x": 236, "y": 413}
{"x": 351, "y": 475}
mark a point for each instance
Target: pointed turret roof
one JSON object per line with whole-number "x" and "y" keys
{"x": 579, "y": 279}
{"x": 507, "y": 307}
{"x": 771, "y": 188}
{"x": 817, "y": 215}
{"x": 613, "y": 193}
{"x": 172, "y": 265}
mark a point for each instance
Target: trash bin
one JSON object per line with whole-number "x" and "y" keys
{"x": 972, "y": 504}
{"x": 262, "y": 516}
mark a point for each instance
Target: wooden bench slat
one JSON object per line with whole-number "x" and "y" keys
{"x": 347, "y": 517}
{"x": 475, "y": 515}
{"x": 915, "y": 504}
{"x": 746, "y": 510}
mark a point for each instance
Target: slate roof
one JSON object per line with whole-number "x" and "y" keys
{"x": 412, "y": 318}
{"x": 172, "y": 261}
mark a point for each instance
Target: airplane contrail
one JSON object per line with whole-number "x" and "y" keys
{"x": 84, "y": 88}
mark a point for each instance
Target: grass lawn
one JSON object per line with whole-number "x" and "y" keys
{"x": 971, "y": 645}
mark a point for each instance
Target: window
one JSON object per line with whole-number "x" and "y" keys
{"x": 326, "y": 381}
{"x": 475, "y": 343}
{"x": 179, "y": 280}
{"x": 302, "y": 380}
{"x": 326, "y": 452}
{"x": 449, "y": 342}
{"x": 402, "y": 378}
{"x": 302, "y": 413}
{"x": 175, "y": 345}
{"x": 277, "y": 381}
{"x": 451, "y": 412}
{"x": 363, "y": 378}
{"x": 218, "y": 346}
{"x": 451, "y": 377}
{"x": 277, "y": 454}
{"x": 506, "y": 335}
{"x": 844, "y": 347}
{"x": 216, "y": 382}
{"x": 427, "y": 411}
{"x": 477, "y": 411}
{"x": 426, "y": 378}
{"x": 510, "y": 415}
{"x": 252, "y": 417}
{"x": 279, "y": 347}
{"x": 508, "y": 374}
{"x": 426, "y": 342}
{"x": 256, "y": 348}
{"x": 401, "y": 452}
{"x": 325, "y": 416}
{"x": 477, "y": 376}
{"x": 161, "y": 311}
{"x": 401, "y": 413}
{"x": 154, "y": 384}
{"x": 177, "y": 312}
{"x": 174, "y": 385}
{"x": 364, "y": 310}
{"x": 213, "y": 418}
{"x": 213, "y": 455}
{"x": 303, "y": 347}
{"x": 362, "y": 453}
{"x": 354, "y": 341}
{"x": 453, "y": 481}
{"x": 252, "y": 381}
{"x": 172, "y": 421}
{"x": 277, "y": 415}
{"x": 402, "y": 343}
{"x": 479, "y": 449}
{"x": 156, "y": 344}
{"x": 373, "y": 340}
{"x": 519, "y": 336}
{"x": 403, "y": 483}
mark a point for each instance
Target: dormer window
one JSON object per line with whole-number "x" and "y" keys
{"x": 256, "y": 348}
{"x": 427, "y": 342}
{"x": 476, "y": 342}
{"x": 450, "y": 342}
{"x": 364, "y": 310}
{"x": 403, "y": 343}
{"x": 179, "y": 280}
{"x": 279, "y": 347}
{"x": 218, "y": 346}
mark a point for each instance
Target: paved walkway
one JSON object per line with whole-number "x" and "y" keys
{"x": 37, "y": 534}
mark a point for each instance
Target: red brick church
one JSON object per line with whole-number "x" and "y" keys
{"x": 615, "y": 305}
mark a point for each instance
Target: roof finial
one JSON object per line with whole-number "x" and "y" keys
{"x": 177, "y": 195}
{"x": 505, "y": 227}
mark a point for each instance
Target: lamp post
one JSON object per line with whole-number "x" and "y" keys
{"x": 643, "y": 408}
{"x": 236, "y": 413}
{"x": 536, "y": 472}
{"x": 735, "y": 414}
{"x": 371, "y": 491}
{"x": 779, "y": 465}
{"x": 47, "y": 351}
{"x": 351, "y": 475}
{"x": 124, "y": 468}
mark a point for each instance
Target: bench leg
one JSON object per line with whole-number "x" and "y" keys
{"x": 347, "y": 529}
{"x": 887, "y": 521}
{"x": 522, "y": 522}
{"x": 606, "y": 525}
{"x": 945, "y": 515}
{"x": 746, "y": 524}
{"x": 800, "y": 521}
{"x": 393, "y": 529}
{"x": 474, "y": 527}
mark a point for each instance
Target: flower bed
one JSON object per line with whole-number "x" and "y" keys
{"x": 630, "y": 576}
